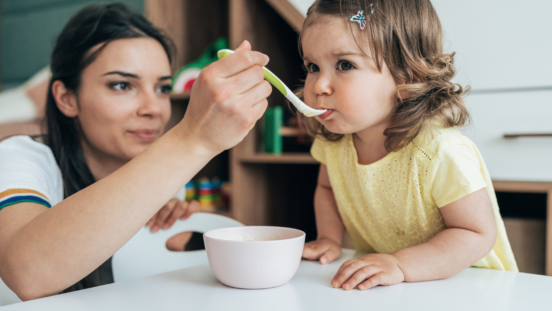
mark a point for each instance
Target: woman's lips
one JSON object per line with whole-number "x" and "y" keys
{"x": 145, "y": 135}
{"x": 326, "y": 114}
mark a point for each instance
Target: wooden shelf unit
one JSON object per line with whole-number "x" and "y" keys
{"x": 266, "y": 189}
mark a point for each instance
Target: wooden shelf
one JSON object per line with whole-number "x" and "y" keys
{"x": 285, "y": 158}
{"x": 180, "y": 96}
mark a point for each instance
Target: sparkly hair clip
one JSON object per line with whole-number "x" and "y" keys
{"x": 361, "y": 19}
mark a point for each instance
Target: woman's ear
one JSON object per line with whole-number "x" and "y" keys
{"x": 66, "y": 100}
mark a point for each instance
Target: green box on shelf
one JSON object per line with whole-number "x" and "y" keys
{"x": 272, "y": 138}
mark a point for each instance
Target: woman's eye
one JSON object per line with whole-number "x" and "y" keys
{"x": 120, "y": 86}
{"x": 313, "y": 67}
{"x": 165, "y": 89}
{"x": 345, "y": 65}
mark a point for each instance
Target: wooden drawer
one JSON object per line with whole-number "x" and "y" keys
{"x": 517, "y": 159}
{"x": 527, "y": 237}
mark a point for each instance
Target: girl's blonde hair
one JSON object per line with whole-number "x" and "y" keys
{"x": 407, "y": 36}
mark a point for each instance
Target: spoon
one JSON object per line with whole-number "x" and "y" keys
{"x": 270, "y": 77}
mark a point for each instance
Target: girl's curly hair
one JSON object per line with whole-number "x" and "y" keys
{"x": 407, "y": 36}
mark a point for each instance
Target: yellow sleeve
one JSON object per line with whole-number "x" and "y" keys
{"x": 317, "y": 151}
{"x": 453, "y": 174}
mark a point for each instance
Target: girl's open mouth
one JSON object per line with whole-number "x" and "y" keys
{"x": 326, "y": 114}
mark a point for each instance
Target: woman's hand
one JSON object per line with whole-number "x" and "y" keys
{"x": 172, "y": 211}
{"x": 379, "y": 269}
{"x": 227, "y": 98}
{"x": 325, "y": 249}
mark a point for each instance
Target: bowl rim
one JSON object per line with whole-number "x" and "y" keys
{"x": 303, "y": 235}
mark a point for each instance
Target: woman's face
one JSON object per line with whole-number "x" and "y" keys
{"x": 123, "y": 99}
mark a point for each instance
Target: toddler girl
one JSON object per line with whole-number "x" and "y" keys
{"x": 395, "y": 172}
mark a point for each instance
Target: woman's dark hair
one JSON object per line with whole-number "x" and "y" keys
{"x": 72, "y": 54}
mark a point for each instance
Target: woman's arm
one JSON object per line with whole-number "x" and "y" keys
{"x": 470, "y": 236}
{"x": 327, "y": 246}
{"x": 43, "y": 251}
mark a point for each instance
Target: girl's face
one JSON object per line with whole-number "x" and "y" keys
{"x": 123, "y": 99}
{"x": 344, "y": 80}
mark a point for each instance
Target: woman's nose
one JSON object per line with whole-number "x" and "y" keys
{"x": 150, "y": 105}
{"x": 322, "y": 85}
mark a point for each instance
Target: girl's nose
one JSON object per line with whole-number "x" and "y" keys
{"x": 150, "y": 105}
{"x": 322, "y": 85}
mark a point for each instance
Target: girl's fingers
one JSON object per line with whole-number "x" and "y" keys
{"x": 360, "y": 275}
{"x": 328, "y": 257}
{"x": 341, "y": 277}
{"x": 375, "y": 280}
{"x": 313, "y": 250}
{"x": 344, "y": 266}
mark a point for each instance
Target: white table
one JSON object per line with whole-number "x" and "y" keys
{"x": 197, "y": 288}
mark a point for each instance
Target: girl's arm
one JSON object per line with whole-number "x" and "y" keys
{"x": 44, "y": 251}
{"x": 470, "y": 236}
{"x": 327, "y": 246}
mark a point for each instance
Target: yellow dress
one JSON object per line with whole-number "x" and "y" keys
{"x": 394, "y": 203}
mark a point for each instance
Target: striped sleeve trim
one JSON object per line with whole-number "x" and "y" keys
{"x": 15, "y": 196}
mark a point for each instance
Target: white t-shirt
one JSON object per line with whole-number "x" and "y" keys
{"x": 29, "y": 173}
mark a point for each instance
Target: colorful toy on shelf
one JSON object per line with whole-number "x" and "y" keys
{"x": 205, "y": 193}
{"x": 272, "y": 136}
{"x": 216, "y": 185}
{"x": 190, "y": 191}
{"x": 184, "y": 78}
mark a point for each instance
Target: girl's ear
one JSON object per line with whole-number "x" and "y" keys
{"x": 66, "y": 100}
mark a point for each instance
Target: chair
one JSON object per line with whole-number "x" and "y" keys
{"x": 145, "y": 254}
{"x": 7, "y": 297}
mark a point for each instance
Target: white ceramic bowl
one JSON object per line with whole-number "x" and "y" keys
{"x": 254, "y": 257}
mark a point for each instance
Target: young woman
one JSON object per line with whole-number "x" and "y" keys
{"x": 103, "y": 170}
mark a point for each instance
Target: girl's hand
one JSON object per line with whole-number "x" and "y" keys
{"x": 325, "y": 249}
{"x": 227, "y": 98}
{"x": 173, "y": 210}
{"x": 379, "y": 269}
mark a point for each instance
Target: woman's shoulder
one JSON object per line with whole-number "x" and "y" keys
{"x": 26, "y": 164}
{"x": 25, "y": 148}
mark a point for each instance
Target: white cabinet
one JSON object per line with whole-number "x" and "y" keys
{"x": 499, "y": 44}
{"x": 519, "y": 159}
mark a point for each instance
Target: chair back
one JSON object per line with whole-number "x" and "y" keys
{"x": 146, "y": 254}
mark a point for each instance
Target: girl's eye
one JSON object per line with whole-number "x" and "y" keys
{"x": 165, "y": 89}
{"x": 120, "y": 86}
{"x": 345, "y": 65}
{"x": 312, "y": 67}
